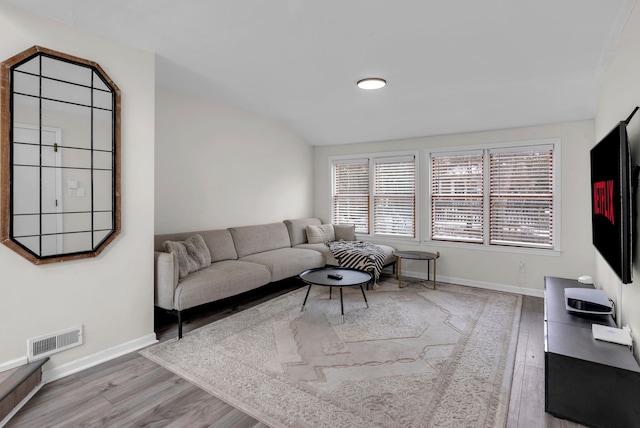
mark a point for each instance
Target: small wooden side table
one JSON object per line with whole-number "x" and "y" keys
{"x": 417, "y": 255}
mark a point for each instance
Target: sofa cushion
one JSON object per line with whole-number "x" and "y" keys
{"x": 298, "y": 229}
{"x": 222, "y": 279}
{"x": 322, "y": 233}
{"x": 192, "y": 254}
{"x": 287, "y": 262}
{"x": 345, "y": 232}
{"x": 256, "y": 239}
{"x": 219, "y": 242}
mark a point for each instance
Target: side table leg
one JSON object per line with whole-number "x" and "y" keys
{"x": 400, "y": 273}
{"x": 434, "y": 273}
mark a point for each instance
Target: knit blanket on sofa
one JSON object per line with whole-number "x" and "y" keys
{"x": 358, "y": 255}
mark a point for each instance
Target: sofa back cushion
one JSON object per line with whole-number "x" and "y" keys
{"x": 319, "y": 234}
{"x": 219, "y": 242}
{"x": 345, "y": 232}
{"x": 298, "y": 229}
{"x": 257, "y": 239}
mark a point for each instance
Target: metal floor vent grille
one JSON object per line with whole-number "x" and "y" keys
{"x": 46, "y": 345}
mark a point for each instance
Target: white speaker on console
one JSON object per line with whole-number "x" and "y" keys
{"x": 585, "y": 279}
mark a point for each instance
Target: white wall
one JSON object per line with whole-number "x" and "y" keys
{"x": 619, "y": 95}
{"x": 218, "y": 166}
{"x": 111, "y": 295}
{"x": 493, "y": 268}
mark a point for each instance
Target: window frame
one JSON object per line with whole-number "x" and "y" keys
{"x": 372, "y": 158}
{"x": 487, "y": 149}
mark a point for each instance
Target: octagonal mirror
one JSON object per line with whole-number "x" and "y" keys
{"x": 59, "y": 159}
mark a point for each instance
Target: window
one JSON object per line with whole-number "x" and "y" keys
{"x": 512, "y": 187}
{"x": 457, "y": 212}
{"x": 378, "y": 191}
{"x": 395, "y": 197}
{"x": 521, "y": 198}
{"x": 351, "y": 194}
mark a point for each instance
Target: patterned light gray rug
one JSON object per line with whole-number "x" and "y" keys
{"x": 416, "y": 358}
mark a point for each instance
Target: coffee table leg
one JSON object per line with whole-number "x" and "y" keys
{"x": 364, "y": 295}
{"x": 341, "y": 305}
{"x": 305, "y": 298}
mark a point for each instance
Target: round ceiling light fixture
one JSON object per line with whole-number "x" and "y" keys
{"x": 371, "y": 83}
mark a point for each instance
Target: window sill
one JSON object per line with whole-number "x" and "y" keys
{"x": 390, "y": 240}
{"x": 494, "y": 248}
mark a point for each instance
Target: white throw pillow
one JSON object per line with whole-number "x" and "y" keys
{"x": 320, "y": 234}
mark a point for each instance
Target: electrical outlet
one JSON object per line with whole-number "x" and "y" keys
{"x": 521, "y": 267}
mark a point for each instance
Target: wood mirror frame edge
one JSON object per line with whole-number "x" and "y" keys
{"x": 5, "y": 143}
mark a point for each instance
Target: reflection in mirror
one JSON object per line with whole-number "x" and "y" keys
{"x": 60, "y": 156}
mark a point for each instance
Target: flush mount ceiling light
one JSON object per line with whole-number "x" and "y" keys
{"x": 371, "y": 83}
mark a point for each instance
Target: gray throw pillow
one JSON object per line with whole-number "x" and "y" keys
{"x": 192, "y": 254}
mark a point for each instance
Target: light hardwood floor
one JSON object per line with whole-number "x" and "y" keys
{"x": 132, "y": 391}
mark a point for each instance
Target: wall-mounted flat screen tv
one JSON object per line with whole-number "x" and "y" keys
{"x": 612, "y": 201}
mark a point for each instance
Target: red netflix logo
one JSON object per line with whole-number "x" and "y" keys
{"x": 603, "y": 199}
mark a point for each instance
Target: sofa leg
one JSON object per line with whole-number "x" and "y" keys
{"x": 179, "y": 325}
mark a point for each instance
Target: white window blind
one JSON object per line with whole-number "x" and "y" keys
{"x": 457, "y": 185}
{"x": 395, "y": 196}
{"x": 521, "y": 197}
{"x": 351, "y": 194}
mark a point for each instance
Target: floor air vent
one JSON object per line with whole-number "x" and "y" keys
{"x": 55, "y": 342}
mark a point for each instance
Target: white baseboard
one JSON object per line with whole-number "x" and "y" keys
{"x": 13, "y": 364}
{"x": 97, "y": 358}
{"x": 479, "y": 284}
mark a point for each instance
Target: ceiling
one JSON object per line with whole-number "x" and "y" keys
{"x": 452, "y": 66}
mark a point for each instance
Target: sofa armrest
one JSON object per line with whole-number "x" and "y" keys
{"x": 165, "y": 279}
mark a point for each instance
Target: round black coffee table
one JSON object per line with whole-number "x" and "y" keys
{"x": 323, "y": 276}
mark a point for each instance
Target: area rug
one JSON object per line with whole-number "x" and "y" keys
{"x": 416, "y": 357}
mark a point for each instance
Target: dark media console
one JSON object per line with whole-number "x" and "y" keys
{"x": 588, "y": 381}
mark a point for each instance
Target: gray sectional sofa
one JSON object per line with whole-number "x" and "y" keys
{"x": 241, "y": 259}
